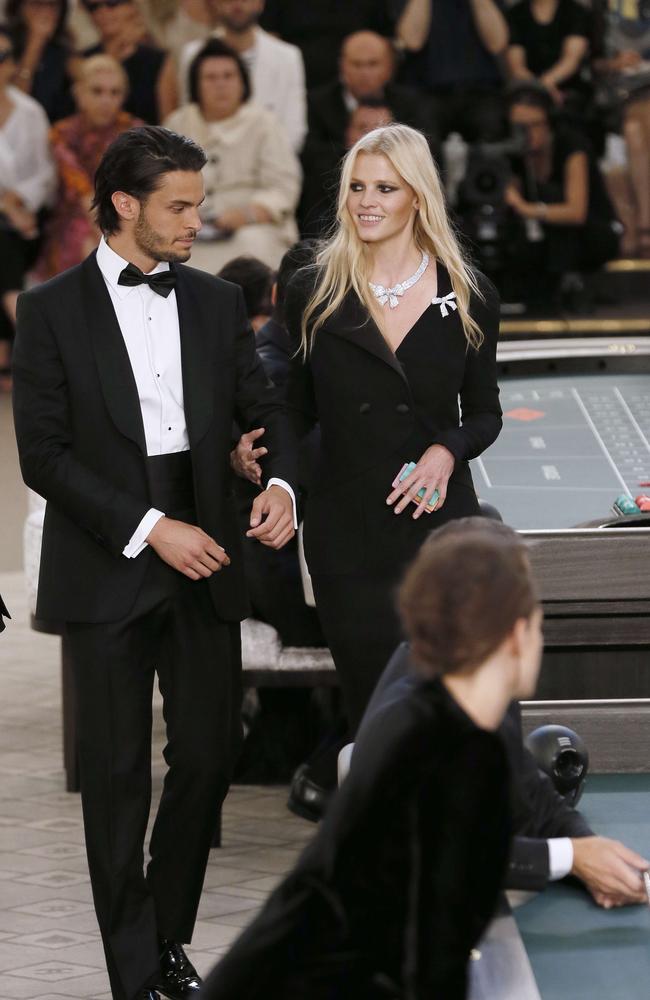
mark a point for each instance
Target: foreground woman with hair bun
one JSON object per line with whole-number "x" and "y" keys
{"x": 394, "y": 328}
{"x": 404, "y": 873}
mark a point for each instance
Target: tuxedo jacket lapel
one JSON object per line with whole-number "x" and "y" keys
{"x": 113, "y": 364}
{"x": 353, "y": 323}
{"x": 199, "y": 337}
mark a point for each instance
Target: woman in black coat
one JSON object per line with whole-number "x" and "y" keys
{"x": 404, "y": 874}
{"x": 394, "y": 329}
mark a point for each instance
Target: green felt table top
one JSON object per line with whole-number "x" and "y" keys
{"x": 579, "y": 951}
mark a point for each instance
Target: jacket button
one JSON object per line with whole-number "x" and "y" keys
{"x": 403, "y": 408}
{"x": 364, "y": 408}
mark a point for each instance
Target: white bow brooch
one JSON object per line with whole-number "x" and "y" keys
{"x": 446, "y": 300}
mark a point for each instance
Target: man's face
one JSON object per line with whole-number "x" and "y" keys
{"x": 363, "y": 120}
{"x": 169, "y": 219}
{"x": 238, "y": 15}
{"x": 366, "y": 64}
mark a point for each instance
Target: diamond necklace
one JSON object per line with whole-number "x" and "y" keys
{"x": 392, "y": 295}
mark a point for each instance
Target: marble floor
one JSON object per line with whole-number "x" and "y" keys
{"x": 49, "y": 942}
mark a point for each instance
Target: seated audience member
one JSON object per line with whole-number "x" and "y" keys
{"x": 122, "y": 33}
{"x": 404, "y": 873}
{"x": 27, "y": 181}
{"x": 549, "y": 42}
{"x": 275, "y": 68}
{"x": 563, "y": 223}
{"x": 252, "y": 177}
{"x": 319, "y": 27}
{"x": 452, "y": 50}
{"x": 366, "y": 69}
{"x": 368, "y": 115}
{"x": 44, "y": 58}
{"x": 256, "y": 281}
{"x": 551, "y": 839}
{"x": 78, "y": 144}
{"x": 623, "y": 67}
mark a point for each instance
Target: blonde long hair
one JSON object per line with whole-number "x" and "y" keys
{"x": 343, "y": 261}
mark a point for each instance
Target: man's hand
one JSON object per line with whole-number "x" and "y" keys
{"x": 276, "y": 529}
{"x": 431, "y": 473}
{"x": 244, "y": 458}
{"x": 611, "y": 871}
{"x": 187, "y": 548}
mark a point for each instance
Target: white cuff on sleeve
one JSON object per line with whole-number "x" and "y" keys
{"x": 560, "y": 857}
{"x": 138, "y": 540}
{"x": 285, "y": 486}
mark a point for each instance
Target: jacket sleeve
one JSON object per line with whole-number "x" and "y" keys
{"x": 481, "y": 421}
{"x": 258, "y": 403}
{"x": 44, "y": 436}
{"x": 300, "y": 395}
{"x": 528, "y": 864}
{"x": 458, "y": 889}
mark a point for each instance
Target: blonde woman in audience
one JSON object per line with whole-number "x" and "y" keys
{"x": 252, "y": 177}
{"x": 78, "y": 144}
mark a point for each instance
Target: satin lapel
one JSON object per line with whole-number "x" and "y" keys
{"x": 113, "y": 364}
{"x": 353, "y": 323}
{"x": 199, "y": 338}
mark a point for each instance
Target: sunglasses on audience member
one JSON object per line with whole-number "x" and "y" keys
{"x": 95, "y": 5}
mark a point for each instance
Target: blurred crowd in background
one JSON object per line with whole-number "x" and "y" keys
{"x": 537, "y": 112}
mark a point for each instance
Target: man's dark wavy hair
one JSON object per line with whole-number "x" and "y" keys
{"x": 135, "y": 163}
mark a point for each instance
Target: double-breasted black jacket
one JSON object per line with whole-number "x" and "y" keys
{"x": 379, "y": 409}
{"x": 82, "y": 444}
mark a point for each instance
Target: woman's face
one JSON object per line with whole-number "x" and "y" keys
{"x": 100, "y": 97}
{"x": 534, "y": 121}
{"x": 381, "y": 204}
{"x": 220, "y": 86}
{"x": 531, "y": 646}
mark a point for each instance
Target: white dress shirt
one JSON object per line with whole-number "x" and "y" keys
{"x": 151, "y": 332}
{"x": 560, "y": 857}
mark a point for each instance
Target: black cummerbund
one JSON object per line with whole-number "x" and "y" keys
{"x": 170, "y": 482}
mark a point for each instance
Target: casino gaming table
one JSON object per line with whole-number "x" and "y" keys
{"x": 576, "y": 435}
{"x": 577, "y": 950}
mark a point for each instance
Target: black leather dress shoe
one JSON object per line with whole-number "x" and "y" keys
{"x": 149, "y": 995}
{"x": 179, "y": 979}
{"x": 306, "y": 798}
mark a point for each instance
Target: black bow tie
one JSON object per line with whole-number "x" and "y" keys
{"x": 162, "y": 282}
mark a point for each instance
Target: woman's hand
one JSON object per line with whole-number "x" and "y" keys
{"x": 431, "y": 473}
{"x": 513, "y": 198}
{"x": 231, "y": 219}
{"x": 41, "y": 21}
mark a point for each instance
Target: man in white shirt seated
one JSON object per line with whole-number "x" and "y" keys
{"x": 552, "y": 840}
{"x": 275, "y": 67}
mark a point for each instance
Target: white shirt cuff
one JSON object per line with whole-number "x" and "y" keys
{"x": 138, "y": 540}
{"x": 560, "y": 857}
{"x": 285, "y": 486}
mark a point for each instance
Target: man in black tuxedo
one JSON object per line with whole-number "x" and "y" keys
{"x": 129, "y": 371}
{"x": 552, "y": 839}
{"x": 366, "y": 69}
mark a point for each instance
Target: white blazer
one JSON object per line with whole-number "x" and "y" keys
{"x": 277, "y": 81}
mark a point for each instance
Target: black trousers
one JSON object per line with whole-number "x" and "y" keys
{"x": 172, "y": 631}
